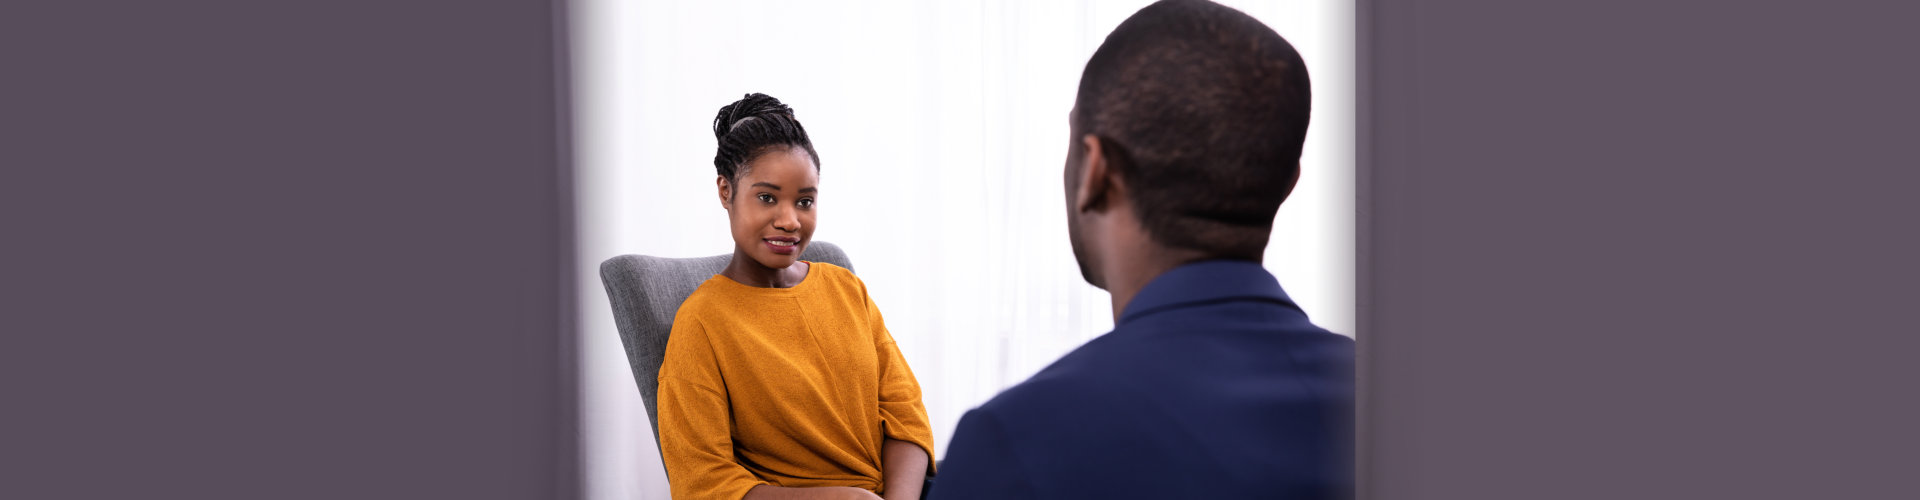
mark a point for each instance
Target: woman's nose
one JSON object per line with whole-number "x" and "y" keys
{"x": 786, "y": 220}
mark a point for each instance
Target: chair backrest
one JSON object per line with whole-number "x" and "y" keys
{"x": 647, "y": 291}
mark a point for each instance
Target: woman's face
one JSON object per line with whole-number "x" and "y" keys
{"x": 770, "y": 207}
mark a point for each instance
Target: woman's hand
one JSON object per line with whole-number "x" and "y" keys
{"x": 770, "y": 492}
{"x": 849, "y": 493}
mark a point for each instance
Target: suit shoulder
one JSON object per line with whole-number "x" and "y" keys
{"x": 1076, "y": 381}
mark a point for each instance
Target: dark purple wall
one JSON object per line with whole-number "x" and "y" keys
{"x": 290, "y": 250}
{"x": 1639, "y": 249}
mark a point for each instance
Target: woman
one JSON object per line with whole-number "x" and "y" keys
{"x": 780, "y": 379}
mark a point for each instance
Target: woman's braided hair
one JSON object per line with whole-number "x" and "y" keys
{"x": 752, "y": 126}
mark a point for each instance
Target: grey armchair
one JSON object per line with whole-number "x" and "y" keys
{"x": 647, "y": 291}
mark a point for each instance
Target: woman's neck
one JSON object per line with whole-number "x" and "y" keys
{"x": 747, "y": 271}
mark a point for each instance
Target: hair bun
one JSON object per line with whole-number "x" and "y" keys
{"x": 753, "y": 125}
{"x": 754, "y": 105}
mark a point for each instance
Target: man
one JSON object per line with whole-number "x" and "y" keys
{"x": 1186, "y": 137}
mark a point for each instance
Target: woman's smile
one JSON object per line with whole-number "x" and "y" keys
{"x": 783, "y": 245}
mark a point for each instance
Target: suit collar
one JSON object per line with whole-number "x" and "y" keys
{"x": 1205, "y": 281}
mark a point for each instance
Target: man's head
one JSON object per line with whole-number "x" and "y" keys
{"x": 1191, "y": 115}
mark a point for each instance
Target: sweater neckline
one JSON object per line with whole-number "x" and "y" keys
{"x": 804, "y": 280}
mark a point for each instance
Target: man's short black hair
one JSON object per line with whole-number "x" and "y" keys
{"x": 1202, "y": 111}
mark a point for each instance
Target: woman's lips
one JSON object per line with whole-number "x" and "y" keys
{"x": 782, "y": 246}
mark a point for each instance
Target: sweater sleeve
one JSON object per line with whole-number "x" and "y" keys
{"x": 696, "y": 440}
{"x": 902, "y": 415}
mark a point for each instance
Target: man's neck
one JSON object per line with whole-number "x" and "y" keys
{"x": 1131, "y": 273}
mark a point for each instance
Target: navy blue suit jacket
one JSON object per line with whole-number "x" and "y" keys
{"x": 1212, "y": 384}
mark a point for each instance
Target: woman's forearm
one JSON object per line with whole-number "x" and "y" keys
{"x": 904, "y": 465}
{"x": 770, "y": 492}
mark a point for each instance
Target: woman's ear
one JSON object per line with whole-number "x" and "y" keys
{"x": 726, "y": 192}
{"x": 1093, "y": 177}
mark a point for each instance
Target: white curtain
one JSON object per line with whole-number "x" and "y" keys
{"x": 942, "y": 132}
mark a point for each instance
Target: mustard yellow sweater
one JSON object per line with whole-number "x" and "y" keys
{"x": 783, "y": 386}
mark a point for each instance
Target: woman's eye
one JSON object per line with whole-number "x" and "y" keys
{"x": 766, "y": 198}
{"x": 806, "y": 203}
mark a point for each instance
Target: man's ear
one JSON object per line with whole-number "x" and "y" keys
{"x": 1295, "y": 182}
{"x": 726, "y": 192}
{"x": 1094, "y": 177}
